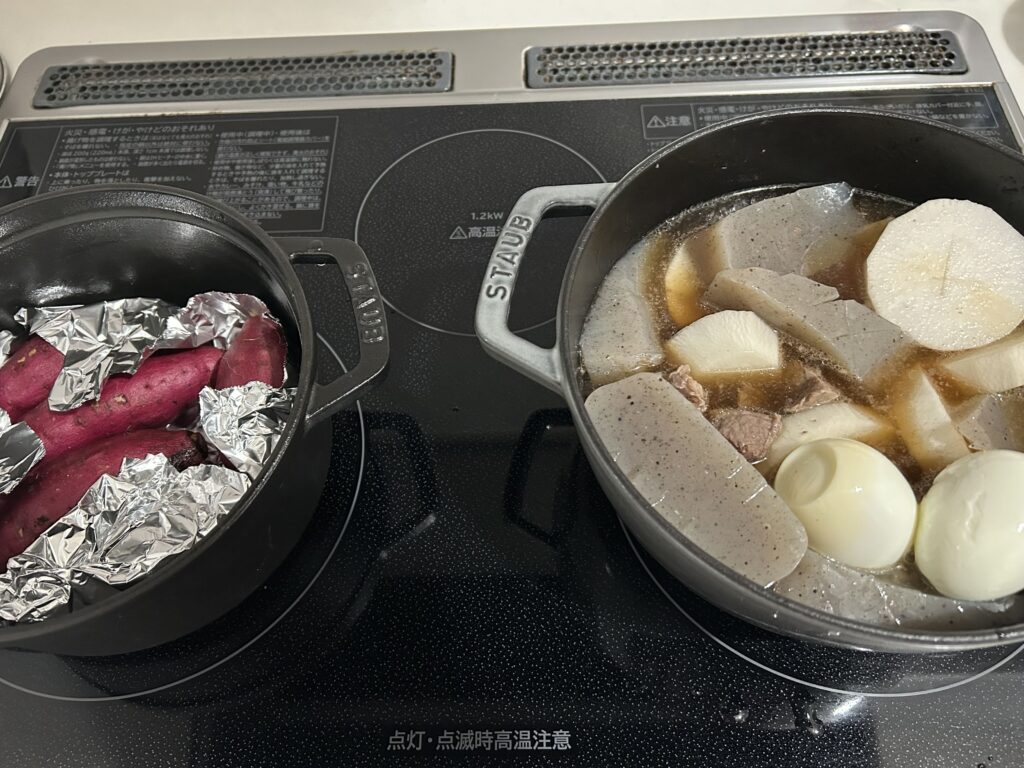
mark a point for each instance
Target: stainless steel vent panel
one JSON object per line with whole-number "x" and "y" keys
{"x": 745, "y": 58}
{"x": 241, "y": 79}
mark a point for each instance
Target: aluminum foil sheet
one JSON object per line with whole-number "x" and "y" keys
{"x": 122, "y": 528}
{"x": 101, "y": 340}
{"x": 210, "y": 317}
{"x": 243, "y": 423}
{"x": 98, "y": 341}
{"x": 6, "y": 342}
{"x": 20, "y": 450}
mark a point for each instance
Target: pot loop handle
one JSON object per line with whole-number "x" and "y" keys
{"x": 492, "y": 309}
{"x": 371, "y": 325}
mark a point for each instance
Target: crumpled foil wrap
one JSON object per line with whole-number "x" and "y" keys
{"x": 126, "y": 525}
{"x": 97, "y": 341}
{"x": 213, "y": 316}
{"x": 6, "y": 342}
{"x": 243, "y": 423}
{"x": 20, "y": 450}
{"x": 101, "y": 340}
{"x": 121, "y": 529}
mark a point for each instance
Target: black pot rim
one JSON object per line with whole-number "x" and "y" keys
{"x": 853, "y": 634}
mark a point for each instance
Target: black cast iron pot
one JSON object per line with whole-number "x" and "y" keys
{"x": 110, "y": 241}
{"x": 907, "y": 158}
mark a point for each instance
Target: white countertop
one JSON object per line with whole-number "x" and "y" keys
{"x": 29, "y": 25}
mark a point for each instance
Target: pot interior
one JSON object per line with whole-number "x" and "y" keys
{"x": 107, "y": 242}
{"x": 909, "y": 159}
{"x": 904, "y": 158}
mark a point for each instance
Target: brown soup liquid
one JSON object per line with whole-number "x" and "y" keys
{"x": 771, "y": 392}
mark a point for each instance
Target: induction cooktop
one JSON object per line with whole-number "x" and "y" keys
{"x": 465, "y": 593}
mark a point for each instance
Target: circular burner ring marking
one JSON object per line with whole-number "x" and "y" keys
{"x": 414, "y": 150}
{"x": 792, "y": 679}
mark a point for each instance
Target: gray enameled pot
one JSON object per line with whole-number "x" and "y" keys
{"x": 908, "y": 158}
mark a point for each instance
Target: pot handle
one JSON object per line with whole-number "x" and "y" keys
{"x": 327, "y": 399}
{"x": 492, "y": 309}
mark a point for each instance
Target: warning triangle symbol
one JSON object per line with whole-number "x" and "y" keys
{"x": 655, "y": 122}
{"x": 5, "y": 182}
{"x": 457, "y": 234}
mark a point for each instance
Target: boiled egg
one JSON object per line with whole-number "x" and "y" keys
{"x": 855, "y": 504}
{"x": 970, "y": 539}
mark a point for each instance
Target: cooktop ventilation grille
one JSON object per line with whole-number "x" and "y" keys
{"x": 237, "y": 79}
{"x": 745, "y": 58}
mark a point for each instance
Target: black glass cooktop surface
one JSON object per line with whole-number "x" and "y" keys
{"x": 465, "y": 594}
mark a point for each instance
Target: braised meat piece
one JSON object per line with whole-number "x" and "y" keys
{"x": 691, "y": 389}
{"x": 814, "y": 391}
{"x": 751, "y": 432}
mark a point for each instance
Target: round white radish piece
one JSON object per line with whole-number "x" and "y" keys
{"x": 970, "y": 537}
{"x": 950, "y": 273}
{"x": 731, "y": 341}
{"x": 855, "y": 504}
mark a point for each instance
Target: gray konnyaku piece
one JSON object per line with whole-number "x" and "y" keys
{"x": 853, "y": 336}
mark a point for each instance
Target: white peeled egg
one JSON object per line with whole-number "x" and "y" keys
{"x": 855, "y": 504}
{"x": 970, "y": 541}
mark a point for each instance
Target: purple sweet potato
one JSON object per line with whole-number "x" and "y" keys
{"x": 162, "y": 388}
{"x": 55, "y": 486}
{"x": 255, "y": 354}
{"x": 28, "y": 375}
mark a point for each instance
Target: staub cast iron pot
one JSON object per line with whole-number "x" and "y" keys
{"x": 913, "y": 159}
{"x": 109, "y": 241}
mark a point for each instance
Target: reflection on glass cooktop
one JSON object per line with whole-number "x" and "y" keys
{"x": 465, "y": 589}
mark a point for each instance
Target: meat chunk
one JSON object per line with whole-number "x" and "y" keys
{"x": 690, "y": 388}
{"x": 813, "y": 391}
{"x": 750, "y": 432}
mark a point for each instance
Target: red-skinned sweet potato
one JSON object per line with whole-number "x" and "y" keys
{"x": 163, "y": 387}
{"x": 28, "y": 375}
{"x": 255, "y": 354}
{"x": 55, "y": 486}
